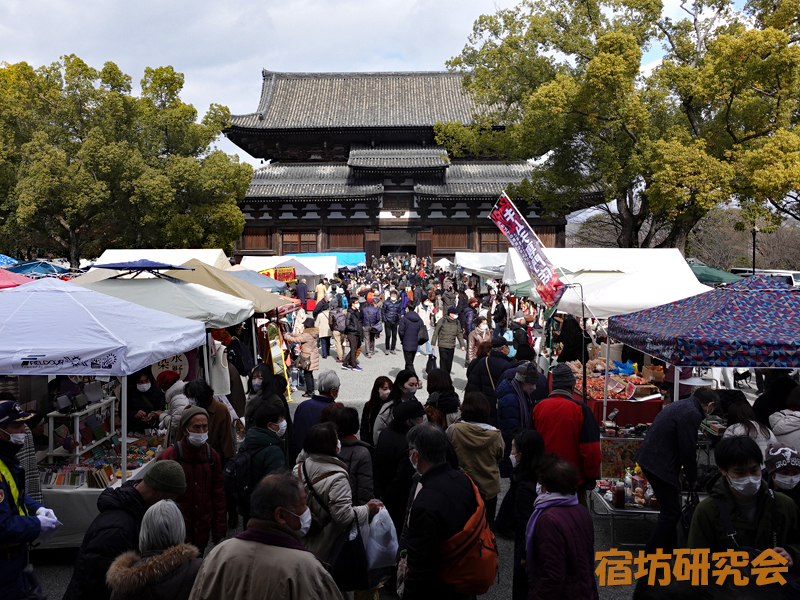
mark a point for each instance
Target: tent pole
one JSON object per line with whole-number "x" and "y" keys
{"x": 124, "y": 420}
{"x": 677, "y": 384}
{"x": 255, "y": 339}
{"x": 208, "y": 362}
{"x": 605, "y": 384}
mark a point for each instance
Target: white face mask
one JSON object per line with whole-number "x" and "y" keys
{"x": 384, "y": 394}
{"x": 747, "y": 486}
{"x": 513, "y": 459}
{"x": 483, "y": 327}
{"x": 413, "y": 464}
{"x": 787, "y": 482}
{"x": 16, "y": 438}
{"x": 305, "y": 521}
{"x": 338, "y": 446}
{"x": 538, "y": 488}
{"x": 282, "y": 428}
{"x": 198, "y": 439}
{"x": 143, "y": 387}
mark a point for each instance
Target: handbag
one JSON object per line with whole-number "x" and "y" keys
{"x": 303, "y": 362}
{"x": 347, "y": 563}
{"x": 377, "y": 328}
{"x": 431, "y": 364}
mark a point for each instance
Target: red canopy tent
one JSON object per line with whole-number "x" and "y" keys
{"x": 11, "y": 280}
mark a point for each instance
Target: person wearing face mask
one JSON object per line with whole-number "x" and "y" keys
{"x": 327, "y": 475}
{"x": 445, "y": 335}
{"x": 468, "y": 319}
{"x": 264, "y": 443}
{"x": 514, "y": 405}
{"x": 146, "y": 401}
{"x": 354, "y": 328}
{"x": 116, "y": 529}
{"x": 404, "y": 389}
{"x": 477, "y": 336}
{"x": 409, "y": 328}
{"x": 485, "y": 374}
{"x": 671, "y": 443}
{"x": 22, "y": 519}
{"x": 393, "y": 470}
{"x": 170, "y": 383}
{"x": 203, "y": 504}
{"x": 377, "y": 398}
{"x": 390, "y": 312}
{"x": 425, "y": 311}
{"x": 783, "y": 470}
{"x": 220, "y": 433}
{"x": 759, "y": 518}
{"x": 271, "y": 555}
{"x": 307, "y": 414}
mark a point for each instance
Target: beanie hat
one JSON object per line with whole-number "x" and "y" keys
{"x": 519, "y": 315}
{"x": 309, "y": 323}
{"x": 166, "y": 476}
{"x": 411, "y": 409}
{"x": 777, "y": 456}
{"x": 563, "y": 377}
{"x": 165, "y": 379}
{"x": 473, "y": 302}
{"x": 452, "y": 310}
{"x": 189, "y": 412}
{"x": 527, "y": 373}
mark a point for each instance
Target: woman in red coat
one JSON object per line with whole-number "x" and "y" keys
{"x": 559, "y": 537}
{"x": 203, "y": 504}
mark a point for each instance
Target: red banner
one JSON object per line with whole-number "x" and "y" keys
{"x": 525, "y": 241}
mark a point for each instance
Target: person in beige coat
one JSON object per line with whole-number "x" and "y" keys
{"x": 479, "y": 448}
{"x": 323, "y": 325}
{"x": 307, "y": 337}
{"x": 481, "y": 333}
{"x": 269, "y": 558}
{"x": 327, "y": 475}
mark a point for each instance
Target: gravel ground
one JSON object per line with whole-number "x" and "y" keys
{"x": 54, "y": 567}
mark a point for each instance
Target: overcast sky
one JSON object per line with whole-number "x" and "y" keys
{"x": 222, "y": 46}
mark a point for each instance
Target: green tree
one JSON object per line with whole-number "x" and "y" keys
{"x": 85, "y": 165}
{"x": 564, "y": 78}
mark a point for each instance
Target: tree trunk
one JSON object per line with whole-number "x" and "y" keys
{"x": 74, "y": 250}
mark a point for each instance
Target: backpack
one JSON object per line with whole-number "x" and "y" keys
{"x": 178, "y": 447}
{"x": 422, "y": 334}
{"x": 238, "y": 474}
{"x": 338, "y": 320}
{"x": 469, "y": 558}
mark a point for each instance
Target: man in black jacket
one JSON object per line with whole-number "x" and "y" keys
{"x": 485, "y": 374}
{"x": 301, "y": 292}
{"x": 409, "y": 335}
{"x": 391, "y": 317}
{"x": 440, "y": 508}
{"x": 519, "y": 329}
{"x": 116, "y": 529}
{"x": 355, "y": 333}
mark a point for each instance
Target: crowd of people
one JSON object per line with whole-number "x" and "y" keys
{"x": 306, "y": 485}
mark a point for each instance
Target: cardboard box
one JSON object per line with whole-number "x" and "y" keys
{"x": 645, "y": 390}
{"x": 651, "y": 375}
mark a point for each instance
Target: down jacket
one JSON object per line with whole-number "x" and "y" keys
{"x": 786, "y": 427}
{"x": 114, "y": 531}
{"x": 409, "y": 331}
{"x": 203, "y": 502}
{"x": 483, "y": 380}
{"x": 308, "y": 339}
{"x": 176, "y": 402}
{"x": 357, "y": 456}
{"x": 168, "y": 575}
{"x": 562, "y": 563}
{"x": 354, "y": 324}
{"x": 446, "y": 333}
{"x": 329, "y": 478}
{"x": 391, "y": 311}
{"x": 513, "y": 414}
{"x": 479, "y": 448}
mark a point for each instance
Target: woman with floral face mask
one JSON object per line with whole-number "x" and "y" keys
{"x": 203, "y": 503}
{"x": 146, "y": 401}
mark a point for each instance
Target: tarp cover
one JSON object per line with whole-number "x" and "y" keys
{"x": 227, "y": 283}
{"x": 172, "y": 256}
{"x": 88, "y": 333}
{"x": 710, "y": 275}
{"x": 488, "y": 264}
{"x": 36, "y": 267}
{"x": 343, "y": 259}
{"x": 752, "y": 323}
{"x": 305, "y": 266}
{"x": 179, "y": 298}
{"x": 259, "y": 280}
{"x": 7, "y": 260}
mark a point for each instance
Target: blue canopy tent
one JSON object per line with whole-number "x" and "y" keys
{"x": 259, "y": 280}
{"x": 140, "y": 266}
{"x": 6, "y": 260}
{"x": 34, "y": 268}
{"x": 751, "y": 323}
{"x": 343, "y": 259}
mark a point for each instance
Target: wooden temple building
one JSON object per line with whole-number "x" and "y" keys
{"x": 354, "y": 167}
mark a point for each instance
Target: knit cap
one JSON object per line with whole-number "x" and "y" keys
{"x": 527, "y": 373}
{"x": 166, "y": 476}
{"x": 189, "y": 412}
{"x": 563, "y": 377}
{"x": 165, "y": 379}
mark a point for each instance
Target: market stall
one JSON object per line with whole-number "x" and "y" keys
{"x": 257, "y": 279}
{"x": 97, "y": 336}
{"x": 485, "y": 264}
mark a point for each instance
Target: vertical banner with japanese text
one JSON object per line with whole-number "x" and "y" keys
{"x": 525, "y": 241}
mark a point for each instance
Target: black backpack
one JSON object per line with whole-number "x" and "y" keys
{"x": 238, "y": 474}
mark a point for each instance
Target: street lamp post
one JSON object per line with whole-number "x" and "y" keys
{"x": 755, "y": 231}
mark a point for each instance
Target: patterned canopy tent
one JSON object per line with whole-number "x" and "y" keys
{"x": 752, "y": 323}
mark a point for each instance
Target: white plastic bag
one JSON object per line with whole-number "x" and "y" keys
{"x": 382, "y": 542}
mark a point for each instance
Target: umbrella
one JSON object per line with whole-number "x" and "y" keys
{"x": 6, "y": 260}
{"x": 710, "y": 275}
{"x": 36, "y": 267}
{"x": 140, "y": 265}
{"x": 10, "y": 280}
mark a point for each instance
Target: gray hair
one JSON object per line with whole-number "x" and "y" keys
{"x": 430, "y": 441}
{"x": 162, "y": 527}
{"x": 276, "y": 490}
{"x": 328, "y": 380}
{"x": 303, "y": 280}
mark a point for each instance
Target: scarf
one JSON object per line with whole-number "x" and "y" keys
{"x": 525, "y": 409}
{"x": 542, "y": 503}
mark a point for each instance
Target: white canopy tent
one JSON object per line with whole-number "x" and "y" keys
{"x": 91, "y": 334}
{"x": 312, "y": 266}
{"x": 487, "y": 264}
{"x": 179, "y": 298}
{"x": 211, "y": 256}
{"x": 443, "y": 263}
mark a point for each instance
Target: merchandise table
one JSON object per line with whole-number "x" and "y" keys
{"x": 631, "y": 412}
{"x": 76, "y": 508}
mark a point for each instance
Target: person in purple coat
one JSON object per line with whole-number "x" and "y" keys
{"x": 559, "y": 538}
